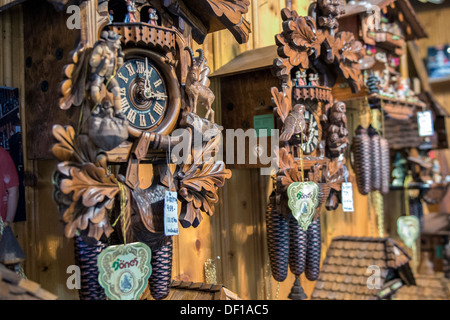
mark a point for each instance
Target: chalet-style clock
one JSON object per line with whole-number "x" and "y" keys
{"x": 133, "y": 85}
{"x": 149, "y": 91}
{"x": 311, "y": 56}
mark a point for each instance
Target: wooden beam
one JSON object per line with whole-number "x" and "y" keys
{"x": 10, "y": 5}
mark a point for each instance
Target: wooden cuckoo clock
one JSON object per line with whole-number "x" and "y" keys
{"x": 138, "y": 83}
{"x": 314, "y": 136}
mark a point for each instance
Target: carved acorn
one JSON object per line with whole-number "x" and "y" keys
{"x": 375, "y": 158}
{"x": 361, "y": 160}
{"x": 277, "y": 241}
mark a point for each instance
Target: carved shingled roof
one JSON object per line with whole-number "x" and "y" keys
{"x": 14, "y": 287}
{"x": 188, "y": 290}
{"x": 428, "y": 287}
{"x": 344, "y": 272}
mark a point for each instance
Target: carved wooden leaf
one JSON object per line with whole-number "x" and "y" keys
{"x": 348, "y": 52}
{"x": 283, "y": 102}
{"x": 78, "y": 217}
{"x": 72, "y": 88}
{"x": 287, "y": 14}
{"x": 285, "y": 159}
{"x": 304, "y": 34}
{"x": 208, "y": 177}
{"x": 64, "y": 149}
{"x": 91, "y": 183}
{"x": 349, "y": 49}
{"x": 297, "y": 56}
{"x": 233, "y": 9}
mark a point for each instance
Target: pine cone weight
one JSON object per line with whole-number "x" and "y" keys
{"x": 161, "y": 276}
{"x": 313, "y": 251}
{"x": 86, "y": 255}
{"x": 277, "y": 242}
{"x": 385, "y": 166}
{"x": 362, "y": 162}
{"x": 375, "y": 159}
{"x": 297, "y": 247}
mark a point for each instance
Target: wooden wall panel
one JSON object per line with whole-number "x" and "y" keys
{"x": 45, "y": 32}
{"x": 435, "y": 20}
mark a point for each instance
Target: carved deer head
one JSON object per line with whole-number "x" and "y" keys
{"x": 196, "y": 63}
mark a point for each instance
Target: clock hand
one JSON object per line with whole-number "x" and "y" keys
{"x": 158, "y": 95}
{"x": 147, "y": 86}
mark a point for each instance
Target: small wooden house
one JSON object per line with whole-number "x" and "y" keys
{"x": 188, "y": 290}
{"x": 349, "y": 263}
{"x": 428, "y": 287}
{"x": 14, "y": 287}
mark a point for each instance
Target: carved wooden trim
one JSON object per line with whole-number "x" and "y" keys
{"x": 133, "y": 33}
{"x": 318, "y": 93}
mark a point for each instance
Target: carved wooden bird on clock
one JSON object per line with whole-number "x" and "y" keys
{"x": 294, "y": 124}
{"x": 294, "y": 127}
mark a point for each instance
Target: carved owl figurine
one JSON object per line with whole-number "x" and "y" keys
{"x": 337, "y": 114}
{"x": 294, "y": 124}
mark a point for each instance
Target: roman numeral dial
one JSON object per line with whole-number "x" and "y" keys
{"x": 143, "y": 93}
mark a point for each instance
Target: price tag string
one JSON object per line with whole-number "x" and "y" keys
{"x": 123, "y": 203}
{"x": 301, "y": 144}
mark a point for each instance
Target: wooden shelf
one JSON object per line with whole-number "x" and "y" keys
{"x": 438, "y": 80}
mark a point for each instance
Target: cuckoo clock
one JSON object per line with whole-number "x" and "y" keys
{"x": 138, "y": 83}
{"x": 312, "y": 54}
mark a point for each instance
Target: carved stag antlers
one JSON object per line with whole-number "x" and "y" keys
{"x": 197, "y": 84}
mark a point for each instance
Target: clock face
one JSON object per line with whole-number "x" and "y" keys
{"x": 143, "y": 91}
{"x": 312, "y": 134}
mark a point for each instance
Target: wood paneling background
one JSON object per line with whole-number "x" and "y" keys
{"x": 436, "y": 22}
{"x": 234, "y": 238}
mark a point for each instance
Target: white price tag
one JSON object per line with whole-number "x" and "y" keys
{"x": 347, "y": 197}
{"x": 425, "y": 121}
{"x": 170, "y": 214}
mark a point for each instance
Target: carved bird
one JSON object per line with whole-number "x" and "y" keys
{"x": 294, "y": 124}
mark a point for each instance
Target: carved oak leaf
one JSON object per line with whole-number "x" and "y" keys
{"x": 93, "y": 192}
{"x": 229, "y": 8}
{"x": 74, "y": 148}
{"x": 282, "y": 67}
{"x": 334, "y": 174}
{"x": 350, "y": 51}
{"x": 64, "y": 149}
{"x": 282, "y": 101}
{"x": 72, "y": 88}
{"x": 198, "y": 187}
{"x": 78, "y": 217}
{"x": 304, "y": 34}
{"x": 289, "y": 171}
{"x": 210, "y": 176}
{"x": 349, "y": 48}
{"x": 297, "y": 56}
{"x": 90, "y": 183}
{"x": 287, "y": 14}
{"x": 299, "y": 39}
